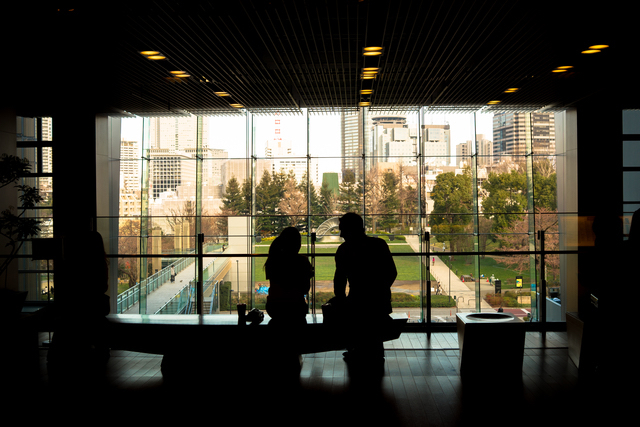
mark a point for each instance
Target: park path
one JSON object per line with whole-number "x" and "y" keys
{"x": 449, "y": 282}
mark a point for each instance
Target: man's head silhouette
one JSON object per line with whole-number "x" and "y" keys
{"x": 351, "y": 225}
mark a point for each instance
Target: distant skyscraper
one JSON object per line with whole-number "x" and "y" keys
{"x": 282, "y": 157}
{"x": 436, "y": 144}
{"x": 483, "y": 150}
{"x": 511, "y": 130}
{"x": 355, "y": 135}
{"x": 178, "y": 133}
{"x": 392, "y": 140}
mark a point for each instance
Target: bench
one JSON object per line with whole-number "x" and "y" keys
{"x": 219, "y": 338}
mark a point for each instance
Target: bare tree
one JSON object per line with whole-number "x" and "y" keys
{"x": 293, "y": 203}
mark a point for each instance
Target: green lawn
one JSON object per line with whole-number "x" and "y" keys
{"x": 408, "y": 266}
{"x": 488, "y": 266}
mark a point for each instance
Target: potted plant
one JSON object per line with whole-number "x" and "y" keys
{"x": 15, "y": 225}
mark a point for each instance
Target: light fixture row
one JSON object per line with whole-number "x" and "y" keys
{"x": 155, "y": 55}
{"x": 596, "y": 48}
{"x": 562, "y": 69}
{"x": 369, "y": 73}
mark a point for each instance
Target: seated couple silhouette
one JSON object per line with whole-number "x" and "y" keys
{"x": 363, "y": 264}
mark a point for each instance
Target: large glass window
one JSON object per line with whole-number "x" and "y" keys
{"x": 28, "y": 222}
{"x": 462, "y": 199}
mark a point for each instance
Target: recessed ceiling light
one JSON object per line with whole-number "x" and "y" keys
{"x": 372, "y": 48}
{"x": 564, "y": 67}
{"x": 372, "y": 53}
{"x": 493, "y": 102}
{"x": 156, "y": 57}
{"x": 177, "y": 72}
{"x": 237, "y": 105}
{"x": 368, "y": 76}
{"x": 366, "y": 91}
{"x": 591, "y": 51}
{"x": 221, "y": 93}
{"x": 183, "y": 75}
{"x": 371, "y": 69}
{"x": 599, "y": 46}
{"x": 149, "y": 52}
{"x": 557, "y": 70}
{"x": 364, "y": 104}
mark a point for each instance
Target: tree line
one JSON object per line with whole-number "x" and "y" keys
{"x": 387, "y": 196}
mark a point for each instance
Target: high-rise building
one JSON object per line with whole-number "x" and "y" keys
{"x": 169, "y": 170}
{"x": 483, "y": 150}
{"x": 129, "y": 167}
{"x": 511, "y": 130}
{"x": 392, "y": 140}
{"x": 355, "y": 136}
{"x": 283, "y": 158}
{"x": 436, "y": 144}
{"x": 178, "y": 133}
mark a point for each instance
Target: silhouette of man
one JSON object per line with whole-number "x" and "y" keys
{"x": 366, "y": 264}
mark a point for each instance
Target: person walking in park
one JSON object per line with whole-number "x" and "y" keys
{"x": 366, "y": 265}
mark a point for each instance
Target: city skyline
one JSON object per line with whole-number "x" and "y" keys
{"x": 229, "y": 133}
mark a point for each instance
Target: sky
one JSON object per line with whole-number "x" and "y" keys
{"x": 228, "y": 133}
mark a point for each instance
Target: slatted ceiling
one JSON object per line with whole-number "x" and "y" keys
{"x": 285, "y": 54}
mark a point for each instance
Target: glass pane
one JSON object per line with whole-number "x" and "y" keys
{"x": 631, "y": 122}
{"x": 631, "y": 186}
{"x": 630, "y": 153}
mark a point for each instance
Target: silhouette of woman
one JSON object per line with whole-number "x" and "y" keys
{"x": 289, "y": 274}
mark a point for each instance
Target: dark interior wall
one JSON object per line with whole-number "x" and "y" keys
{"x": 599, "y": 131}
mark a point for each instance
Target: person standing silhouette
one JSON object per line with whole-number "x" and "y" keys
{"x": 289, "y": 274}
{"x": 366, "y": 265}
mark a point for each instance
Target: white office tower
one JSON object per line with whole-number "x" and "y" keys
{"x": 483, "y": 151}
{"x": 283, "y": 158}
{"x": 436, "y": 144}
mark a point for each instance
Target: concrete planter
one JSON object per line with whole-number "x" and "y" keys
{"x": 490, "y": 343}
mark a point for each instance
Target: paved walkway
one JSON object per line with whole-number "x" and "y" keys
{"x": 450, "y": 283}
{"x": 158, "y": 298}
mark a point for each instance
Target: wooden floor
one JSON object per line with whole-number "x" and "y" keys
{"x": 418, "y": 385}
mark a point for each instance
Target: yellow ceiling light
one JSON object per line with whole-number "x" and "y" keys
{"x": 371, "y": 69}
{"x": 364, "y": 104}
{"x": 177, "y": 72}
{"x": 183, "y": 75}
{"x": 493, "y": 102}
{"x": 372, "y": 51}
{"x": 156, "y": 57}
{"x": 366, "y": 91}
{"x": 599, "y": 46}
{"x": 565, "y": 67}
{"x": 368, "y": 76}
{"x": 149, "y": 52}
{"x": 511, "y": 90}
{"x": 588, "y": 51}
{"x": 221, "y": 93}
{"x": 558, "y": 70}
{"x": 237, "y": 105}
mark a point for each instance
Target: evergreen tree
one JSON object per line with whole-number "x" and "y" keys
{"x": 350, "y": 199}
{"x": 232, "y": 200}
{"x": 390, "y": 200}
